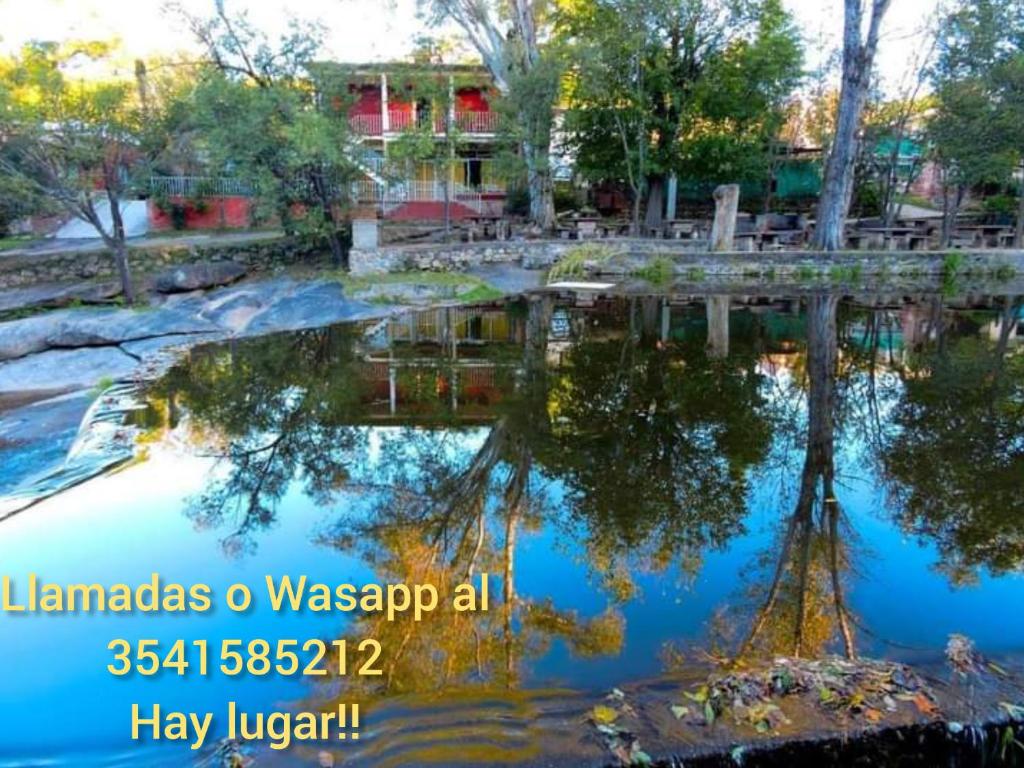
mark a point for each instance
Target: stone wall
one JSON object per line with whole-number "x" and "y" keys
{"x": 30, "y": 269}
{"x": 686, "y": 257}
{"x": 532, "y": 254}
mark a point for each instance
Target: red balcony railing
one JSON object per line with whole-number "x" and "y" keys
{"x": 404, "y": 119}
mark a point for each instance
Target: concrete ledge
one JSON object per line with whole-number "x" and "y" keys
{"x": 686, "y": 258}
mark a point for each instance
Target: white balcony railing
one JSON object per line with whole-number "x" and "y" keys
{"x": 199, "y": 186}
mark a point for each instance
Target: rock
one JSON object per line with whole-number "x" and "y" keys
{"x": 61, "y": 370}
{"x": 93, "y": 327}
{"x": 190, "y": 277}
{"x": 234, "y": 312}
{"x": 309, "y": 306}
{"x": 144, "y": 348}
{"x": 36, "y": 437}
{"x": 24, "y": 337}
{"x": 79, "y": 329}
{"x": 57, "y": 295}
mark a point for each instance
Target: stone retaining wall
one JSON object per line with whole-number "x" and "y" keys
{"x": 30, "y": 269}
{"x": 686, "y": 258}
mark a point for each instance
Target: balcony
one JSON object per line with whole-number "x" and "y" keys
{"x": 477, "y": 123}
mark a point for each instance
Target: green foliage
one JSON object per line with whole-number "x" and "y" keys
{"x": 979, "y": 84}
{"x": 575, "y": 260}
{"x": 659, "y": 270}
{"x": 952, "y": 263}
{"x": 695, "y": 88}
{"x": 63, "y": 140}
{"x": 272, "y": 118}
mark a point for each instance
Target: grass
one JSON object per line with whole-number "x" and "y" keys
{"x": 952, "y": 264}
{"x": 15, "y": 241}
{"x": 845, "y": 274}
{"x": 658, "y": 270}
{"x": 478, "y": 291}
{"x": 575, "y": 260}
{"x": 102, "y": 386}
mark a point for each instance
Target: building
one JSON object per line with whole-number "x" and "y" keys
{"x": 385, "y": 105}
{"x": 389, "y": 103}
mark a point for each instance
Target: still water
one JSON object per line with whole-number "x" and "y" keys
{"x": 645, "y": 480}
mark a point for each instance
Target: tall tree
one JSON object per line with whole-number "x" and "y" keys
{"x": 858, "y": 62}
{"x": 694, "y": 88}
{"x": 975, "y": 129}
{"x": 508, "y": 36}
{"x": 81, "y": 145}
{"x": 273, "y": 119}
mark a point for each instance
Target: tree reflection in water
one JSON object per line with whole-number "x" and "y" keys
{"x": 636, "y": 434}
{"x": 795, "y": 617}
{"x": 955, "y": 459}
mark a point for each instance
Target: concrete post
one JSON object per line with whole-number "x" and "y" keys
{"x": 727, "y": 205}
{"x": 671, "y": 204}
{"x": 385, "y": 112}
{"x": 365, "y": 234}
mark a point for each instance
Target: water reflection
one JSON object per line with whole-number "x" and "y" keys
{"x": 640, "y": 434}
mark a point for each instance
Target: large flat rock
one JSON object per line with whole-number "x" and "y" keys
{"x": 36, "y": 437}
{"x": 57, "y": 295}
{"x": 191, "y": 277}
{"x": 93, "y": 327}
{"x": 309, "y": 306}
{"x": 61, "y": 370}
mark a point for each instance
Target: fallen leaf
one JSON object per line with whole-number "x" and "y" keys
{"x": 873, "y": 715}
{"x": 700, "y": 696}
{"x": 679, "y": 712}
{"x": 997, "y": 669}
{"x": 924, "y": 705}
{"x": 603, "y": 715}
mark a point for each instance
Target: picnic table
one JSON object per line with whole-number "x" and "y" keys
{"x": 579, "y": 227}
{"x": 778, "y": 238}
{"x": 888, "y": 238}
{"x": 679, "y": 229}
{"x": 983, "y": 235}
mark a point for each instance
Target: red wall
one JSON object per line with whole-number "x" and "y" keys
{"x": 220, "y": 213}
{"x": 367, "y": 101}
{"x": 471, "y": 100}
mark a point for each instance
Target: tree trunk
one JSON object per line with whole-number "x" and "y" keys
{"x": 655, "y": 217}
{"x": 637, "y": 203}
{"x": 117, "y": 239}
{"x": 1018, "y": 231}
{"x": 837, "y": 187}
{"x": 540, "y": 186}
{"x": 121, "y": 260}
{"x": 951, "y": 202}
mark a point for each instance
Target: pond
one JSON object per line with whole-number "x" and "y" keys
{"x": 645, "y": 480}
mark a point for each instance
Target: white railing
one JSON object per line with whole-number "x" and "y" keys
{"x": 199, "y": 186}
{"x": 391, "y": 196}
